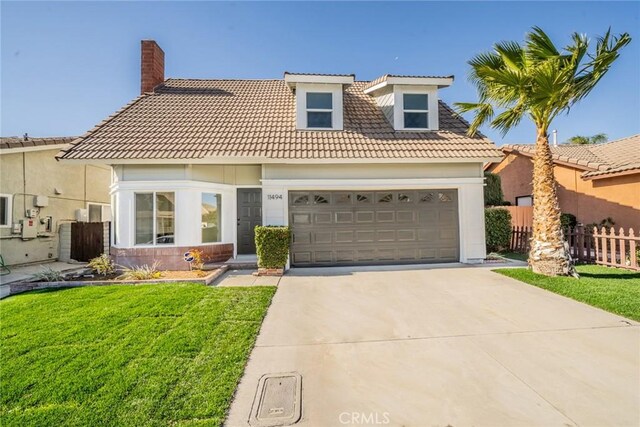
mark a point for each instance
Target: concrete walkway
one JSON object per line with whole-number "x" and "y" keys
{"x": 443, "y": 347}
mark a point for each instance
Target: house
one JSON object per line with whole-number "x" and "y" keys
{"x": 39, "y": 195}
{"x": 594, "y": 181}
{"x": 363, "y": 172}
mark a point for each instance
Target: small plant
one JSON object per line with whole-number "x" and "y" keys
{"x": 272, "y": 246}
{"x": 48, "y": 274}
{"x": 141, "y": 272}
{"x": 102, "y": 265}
{"x": 198, "y": 259}
{"x": 568, "y": 220}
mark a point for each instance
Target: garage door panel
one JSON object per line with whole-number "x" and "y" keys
{"x": 365, "y": 236}
{"x": 385, "y": 216}
{"x": 344, "y": 237}
{"x": 365, "y": 227}
{"x": 365, "y": 216}
{"x": 322, "y": 218}
{"x": 344, "y": 217}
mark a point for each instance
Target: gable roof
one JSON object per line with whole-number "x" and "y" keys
{"x": 17, "y": 142}
{"x": 255, "y": 119}
{"x": 598, "y": 160}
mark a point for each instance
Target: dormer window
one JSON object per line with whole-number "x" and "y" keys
{"x": 319, "y": 99}
{"x": 319, "y": 110}
{"x": 415, "y": 110}
{"x": 409, "y": 103}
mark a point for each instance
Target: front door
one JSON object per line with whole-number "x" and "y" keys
{"x": 249, "y": 215}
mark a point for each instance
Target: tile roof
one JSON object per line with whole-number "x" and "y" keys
{"x": 318, "y": 74}
{"x": 622, "y": 155}
{"x": 196, "y": 119}
{"x": 11, "y": 142}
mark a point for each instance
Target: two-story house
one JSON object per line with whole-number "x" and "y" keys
{"x": 364, "y": 172}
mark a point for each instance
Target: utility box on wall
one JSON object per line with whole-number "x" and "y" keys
{"x": 29, "y": 228}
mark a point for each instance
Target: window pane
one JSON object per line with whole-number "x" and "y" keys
{"x": 95, "y": 213}
{"x": 316, "y": 119}
{"x": 416, "y": 120}
{"x": 416, "y": 102}
{"x": 319, "y": 100}
{"x": 144, "y": 219}
{"x": 165, "y": 218}
{"x": 211, "y": 216}
{"x": 4, "y": 215}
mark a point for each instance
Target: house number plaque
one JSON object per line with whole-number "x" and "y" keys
{"x": 274, "y": 196}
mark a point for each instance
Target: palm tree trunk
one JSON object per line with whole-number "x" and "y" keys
{"x": 548, "y": 255}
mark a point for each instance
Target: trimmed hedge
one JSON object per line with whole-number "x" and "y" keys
{"x": 497, "y": 223}
{"x": 493, "y": 195}
{"x": 272, "y": 246}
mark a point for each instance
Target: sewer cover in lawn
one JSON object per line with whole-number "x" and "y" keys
{"x": 278, "y": 400}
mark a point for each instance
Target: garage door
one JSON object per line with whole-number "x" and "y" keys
{"x": 373, "y": 227}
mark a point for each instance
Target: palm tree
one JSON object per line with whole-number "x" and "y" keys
{"x": 598, "y": 138}
{"x": 539, "y": 81}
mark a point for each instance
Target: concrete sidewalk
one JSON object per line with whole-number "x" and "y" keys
{"x": 438, "y": 347}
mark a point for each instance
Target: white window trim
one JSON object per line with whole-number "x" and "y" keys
{"x": 9, "y": 223}
{"x": 318, "y": 110}
{"x": 432, "y": 107}
{"x": 135, "y": 221}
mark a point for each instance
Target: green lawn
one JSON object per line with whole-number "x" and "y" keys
{"x": 515, "y": 255}
{"x": 169, "y": 354}
{"x": 611, "y": 289}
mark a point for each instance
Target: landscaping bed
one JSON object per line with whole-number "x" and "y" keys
{"x": 161, "y": 354}
{"x": 611, "y": 289}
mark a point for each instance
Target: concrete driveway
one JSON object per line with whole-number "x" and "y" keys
{"x": 443, "y": 347}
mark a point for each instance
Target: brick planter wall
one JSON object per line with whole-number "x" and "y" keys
{"x": 170, "y": 258}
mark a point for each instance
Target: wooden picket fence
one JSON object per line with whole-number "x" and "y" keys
{"x": 604, "y": 247}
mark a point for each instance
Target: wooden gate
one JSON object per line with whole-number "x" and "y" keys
{"x": 87, "y": 240}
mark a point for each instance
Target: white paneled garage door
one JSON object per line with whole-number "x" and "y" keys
{"x": 373, "y": 227}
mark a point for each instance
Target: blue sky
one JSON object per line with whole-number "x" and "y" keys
{"x": 68, "y": 65}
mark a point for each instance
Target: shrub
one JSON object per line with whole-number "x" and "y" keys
{"x": 48, "y": 274}
{"x": 272, "y": 246}
{"x": 497, "y": 222}
{"x": 568, "y": 220}
{"x": 141, "y": 272}
{"x": 102, "y": 265}
{"x": 198, "y": 259}
{"x": 493, "y": 190}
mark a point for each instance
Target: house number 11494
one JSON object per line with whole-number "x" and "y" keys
{"x": 274, "y": 196}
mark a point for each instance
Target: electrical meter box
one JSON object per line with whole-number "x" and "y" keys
{"x": 31, "y": 213}
{"x": 41, "y": 201}
{"x": 29, "y": 228}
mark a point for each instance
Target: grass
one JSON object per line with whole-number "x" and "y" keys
{"x": 611, "y": 289}
{"x": 145, "y": 355}
{"x": 515, "y": 255}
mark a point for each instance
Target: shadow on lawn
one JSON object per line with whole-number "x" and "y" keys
{"x": 626, "y": 276}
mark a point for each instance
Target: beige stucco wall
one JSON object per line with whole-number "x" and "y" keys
{"x": 373, "y": 171}
{"x": 32, "y": 173}
{"x": 220, "y": 174}
{"x": 589, "y": 200}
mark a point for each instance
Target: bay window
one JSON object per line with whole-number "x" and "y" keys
{"x": 211, "y": 212}
{"x": 154, "y": 218}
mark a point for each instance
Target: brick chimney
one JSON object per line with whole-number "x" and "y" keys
{"x": 152, "y": 66}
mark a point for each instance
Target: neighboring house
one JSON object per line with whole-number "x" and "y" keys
{"x": 38, "y": 194}
{"x": 363, "y": 172}
{"x": 594, "y": 181}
